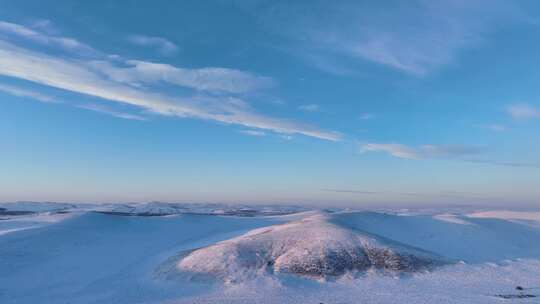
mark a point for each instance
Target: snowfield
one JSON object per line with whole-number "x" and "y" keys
{"x": 185, "y": 253}
{"x": 507, "y": 215}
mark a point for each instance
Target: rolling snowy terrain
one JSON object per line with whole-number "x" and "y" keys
{"x": 182, "y": 253}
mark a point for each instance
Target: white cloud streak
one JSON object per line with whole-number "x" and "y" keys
{"x": 253, "y": 133}
{"x": 523, "y": 111}
{"x": 349, "y": 191}
{"x": 286, "y": 137}
{"x": 366, "y": 116}
{"x": 137, "y": 73}
{"x": 163, "y": 45}
{"x": 310, "y": 108}
{"x": 504, "y": 163}
{"x": 65, "y": 43}
{"x": 422, "y": 152}
{"x": 495, "y": 127}
{"x": 106, "y": 110}
{"x": 19, "y": 92}
{"x": 82, "y": 76}
{"x": 456, "y": 152}
{"x": 397, "y": 150}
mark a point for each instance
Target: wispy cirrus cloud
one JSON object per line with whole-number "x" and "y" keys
{"x": 286, "y": 137}
{"x": 470, "y": 154}
{"x": 353, "y": 191}
{"x": 397, "y": 150}
{"x": 504, "y": 163}
{"x": 366, "y": 116}
{"x": 253, "y": 133}
{"x": 416, "y": 37}
{"x": 424, "y": 151}
{"x": 108, "y": 80}
{"x": 106, "y": 110}
{"x": 20, "y": 92}
{"x": 164, "y": 46}
{"x": 310, "y": 108}
{"x": 66, "y": 43}
{"x": 523, "y": 111}
{"x": 448, "y": 194}
{"x": 495, "y": 127}
{"x": 216, "y": 80}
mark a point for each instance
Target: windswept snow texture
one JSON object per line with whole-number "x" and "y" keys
{"x": 82, "y": 254}
{"x": 309, "y": 247}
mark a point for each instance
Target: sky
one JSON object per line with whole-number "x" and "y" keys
{"x": 306, "y": 102}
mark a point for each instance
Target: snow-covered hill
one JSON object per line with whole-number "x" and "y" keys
{"x": 21, "y": 208}
{"x": 312, "y": 247}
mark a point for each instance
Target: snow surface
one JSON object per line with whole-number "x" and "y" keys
{"x": 484, "y": 240}
{"x": 451, "y": 218}
{"x": 10, "y": 224}
{"x": 456, "y": 284}
{"x": 507, "y": 215}
{"x": 98, "y": 258}
{"x": 74, "y": 255}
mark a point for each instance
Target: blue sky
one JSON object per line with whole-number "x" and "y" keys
{"x": 315, "y": 102}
